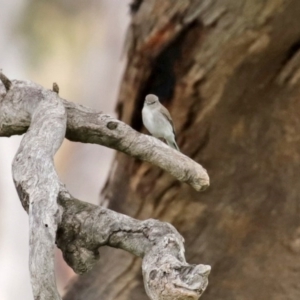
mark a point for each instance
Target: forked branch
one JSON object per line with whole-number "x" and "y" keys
{"x": 80, "y": 228}
{"x": 38, "y": 186}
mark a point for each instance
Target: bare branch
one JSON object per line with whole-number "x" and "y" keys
{"x": 37, "y": 184}
{"x": 85, "y": 227}
{"x": 87, "y": 126}
{"x": 82, "y": 227}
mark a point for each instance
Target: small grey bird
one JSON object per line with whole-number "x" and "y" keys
{"x": 158, "y": 121}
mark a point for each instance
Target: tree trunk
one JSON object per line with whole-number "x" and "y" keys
{"x": 229, "y": 73}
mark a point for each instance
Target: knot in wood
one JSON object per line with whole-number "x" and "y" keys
{"x": 112, "y": 125}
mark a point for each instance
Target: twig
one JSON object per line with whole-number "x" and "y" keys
{"x": 6, "y": 82}
{"x": 55, "y": 88}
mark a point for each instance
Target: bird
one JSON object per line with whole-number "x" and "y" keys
{"x": 158, "y": 121}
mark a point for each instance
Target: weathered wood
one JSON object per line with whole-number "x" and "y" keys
{"x": 87, "y": 126}
{"x": 37, "y": 184}
{"x": 86, "y": 227}
{"x": 79, "y": 228}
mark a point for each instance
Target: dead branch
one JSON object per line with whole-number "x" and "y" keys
{"x": 79, "y": 228}
{"x": 37, "y": 184}
{"x": 87, "y": 126}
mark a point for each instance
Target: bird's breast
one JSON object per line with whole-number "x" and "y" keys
{"x": 156, "y": 123}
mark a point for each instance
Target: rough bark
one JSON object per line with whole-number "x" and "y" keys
{"x": 228, "y": 71}
{"x": 79, "y": 228}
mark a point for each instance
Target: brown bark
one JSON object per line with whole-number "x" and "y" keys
{"x": 229, "y": 73}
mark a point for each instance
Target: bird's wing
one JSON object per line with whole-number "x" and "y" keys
{"x": 167, "y": 115}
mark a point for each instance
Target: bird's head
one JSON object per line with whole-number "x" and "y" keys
{"x": 151, "y": 100}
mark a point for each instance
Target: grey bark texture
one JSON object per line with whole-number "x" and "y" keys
{"x": 88, "y": 126}
{"x": 79, "y": 228}
{"x": 37, "y": 184}
{"x": 86, "y": 227}
{"x": 228, "y": 71}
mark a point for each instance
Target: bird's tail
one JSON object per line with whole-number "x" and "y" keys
{"x": 172, "y": 143}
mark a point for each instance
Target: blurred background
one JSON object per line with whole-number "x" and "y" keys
{"x": 79, "y": 45}
{"x": 229, "y": 73}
